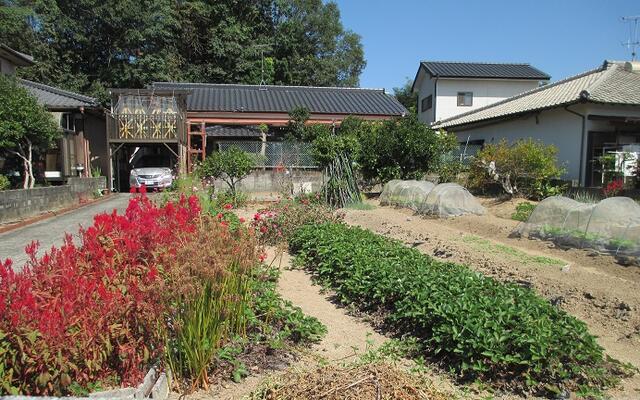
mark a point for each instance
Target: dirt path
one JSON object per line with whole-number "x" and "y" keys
{"x": 593, "y": 288}
{"x": 347, "y": 336}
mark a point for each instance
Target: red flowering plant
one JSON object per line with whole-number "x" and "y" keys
{"x": 92, "y": 312}
{"x": 613, "y": 188}
{"x": 276, "y": 223}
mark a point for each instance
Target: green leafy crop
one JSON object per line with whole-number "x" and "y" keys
{"x": 481, "y": 328}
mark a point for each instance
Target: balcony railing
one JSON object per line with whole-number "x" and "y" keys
{"x": 146, "y": 127}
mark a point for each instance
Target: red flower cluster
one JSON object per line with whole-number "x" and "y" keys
{"x": 90, "y": 312}
{"x": 613, "y": 188}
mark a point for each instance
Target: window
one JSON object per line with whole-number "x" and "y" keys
{"x": 427, "y": 102}
{"x": 67, "y": 122}
{"x": 465, "y": 99}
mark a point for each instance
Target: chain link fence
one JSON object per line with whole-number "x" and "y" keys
{"x": 275, "y": 154}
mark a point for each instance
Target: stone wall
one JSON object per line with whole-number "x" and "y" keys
{"x": 23, "y": 203}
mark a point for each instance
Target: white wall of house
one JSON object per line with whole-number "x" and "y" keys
{"x": 556, "y": 126}
{"x": 426, "y": 87}
{"x": 485, "y": 92}
{"x": 445, "y": 94}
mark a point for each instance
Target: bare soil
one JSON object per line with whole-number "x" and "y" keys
{"x": 592, "y": 287}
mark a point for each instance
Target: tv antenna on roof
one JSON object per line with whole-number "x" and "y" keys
{"x": 633, "y": 42}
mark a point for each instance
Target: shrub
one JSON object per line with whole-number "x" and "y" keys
{"x": 525, "y": 167}
{"x": 523, "y": 211}
{"x": 5, "y": 183}
{"x": 88, "y": 313}
{"x": 480, "y": 327}
{"x": 231, "y": 165}
{"x": 402, "y": 148}
{"x": 277, "y": 223}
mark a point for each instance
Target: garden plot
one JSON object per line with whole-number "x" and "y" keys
{"x": 611, "y": 226}
{"x": 592, "y": 287}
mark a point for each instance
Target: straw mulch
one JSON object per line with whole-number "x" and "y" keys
{"x": 379, "y": 381}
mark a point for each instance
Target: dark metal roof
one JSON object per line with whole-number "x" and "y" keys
{"x": 446, "y": 69}
{"x": 233, "y": 131}
{"x": 282, "y": 99}
{"x": 54, "y": 98}
{"x": 16, "y": 57}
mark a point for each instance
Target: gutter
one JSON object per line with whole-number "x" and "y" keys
{"x": 435, "y": 96}
{"x": 584, "y": 118}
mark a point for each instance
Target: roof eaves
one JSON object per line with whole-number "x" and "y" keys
{"x": 60, "y": 92}
{"x": 521, "y": 95}
{"x": 508, "y": 116}
{"x": 26, "y": 59}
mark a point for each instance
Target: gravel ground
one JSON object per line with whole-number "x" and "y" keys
{"x": 50, "y": 232}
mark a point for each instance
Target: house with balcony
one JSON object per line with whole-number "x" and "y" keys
{"x": 183, "y": 122}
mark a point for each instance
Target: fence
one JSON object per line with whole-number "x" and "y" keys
{"x": 275, "y": 154}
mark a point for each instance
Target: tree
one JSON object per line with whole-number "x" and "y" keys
{"x": 25, "y": 126}
{"x": 89, "y": 46}
{"x": 406, "y": 96}
{"x": 231, "y": 166}
{"x": 402, "y": 148}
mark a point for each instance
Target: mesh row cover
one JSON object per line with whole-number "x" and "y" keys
{"x": 443, "y": 200}
{"x": 609, "y": 226}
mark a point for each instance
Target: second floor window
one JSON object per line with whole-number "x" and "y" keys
{"x": 427, "y": 102}
{"x": 465, "y": 99}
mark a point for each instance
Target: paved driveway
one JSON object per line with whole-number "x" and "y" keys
{"x": 50, "y": 232}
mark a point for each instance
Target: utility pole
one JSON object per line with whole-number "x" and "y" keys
{"x": 634, "y": 41}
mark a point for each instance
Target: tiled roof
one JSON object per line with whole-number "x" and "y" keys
{"x": 448, "y": 69}
{"x": 54, "y": 98}
{"x": 16, "y": 57}
{"x": 219, "y": 131}
{"x": 266, "y": 98}
{"x": 611, "y": 83}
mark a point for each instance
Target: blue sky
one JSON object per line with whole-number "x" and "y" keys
{"x": 561, "y": 37}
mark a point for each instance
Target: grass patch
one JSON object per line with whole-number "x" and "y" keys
{"x": 360, "y": 206}
{"x": 523, "y": 211}
{"x": 502, "y": 249}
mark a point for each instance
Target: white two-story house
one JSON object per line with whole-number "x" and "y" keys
{"x": 446, "y": 89}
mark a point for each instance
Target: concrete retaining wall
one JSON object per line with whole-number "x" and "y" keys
{"x": 273, "y": 181}
{"x": 23, "y": 203}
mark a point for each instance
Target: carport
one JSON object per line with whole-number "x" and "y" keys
{"x": 145, "y": 122}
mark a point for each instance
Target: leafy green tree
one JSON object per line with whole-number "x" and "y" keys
{"x": 25, "y": 126}
{"x": 231, "y": 166}
{"x": 402, "y": 148}
{"x": 406, "y": 97}
{"x": 91, "y": 45}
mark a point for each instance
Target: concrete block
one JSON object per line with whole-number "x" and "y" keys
{"x": 160, "y": 390}
{"x": 145, "y": 387}
{"x": 117, "y": 393}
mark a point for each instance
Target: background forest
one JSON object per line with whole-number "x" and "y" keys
{"x": 89, "y": 46}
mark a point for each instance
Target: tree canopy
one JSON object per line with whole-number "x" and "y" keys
{"x": 25, "y": 126}
{"x": 91, "y": 45}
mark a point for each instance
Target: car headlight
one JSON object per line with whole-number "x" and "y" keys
{"x": 134, "y": 173}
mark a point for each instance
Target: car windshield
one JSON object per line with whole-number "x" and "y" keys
{"x": 152, "y": 161}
